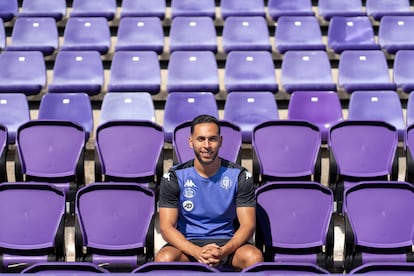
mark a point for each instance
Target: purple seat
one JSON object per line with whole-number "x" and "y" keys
{"x": 140, "y": 34}
{"x": 192, "y": 71}
{"x": 73, "y": 107}
{"x": 8, "y": 9}
{"x": 277, "y": 8}
{"x": 43, "y": 8}
{"x": 32, "y": 231}
{"x": 3, "y": 153}
{"x": 384, "y": 268}
{"x": 378, "y": 223}
{"x": 248, "y": 109}
{"x": 364, "y": 70}
{"x": 22, "y": 72}
{"x": 230, "y": 149}
{"x": 327, "y": 8}
{"x": 245, "y": 33}
{"x": 185, "y": 106}
{"x": 77, "y": 71}
{"x": 92, "y": 8}
{"x": 129, "y": 151}
{"x": 402, "y": 74}
{"x": 86, "y": 34}
{"x": 193, "y": 8}
{"x": 174, "y": 268}
{"x": 143, "y": 8}
{"x": 298, "y": 33}
{"x": 321, "y": 108}
{"x": 2, "y": 35}
{"x": 250, "y": 71}
{"x": 283, "y": 268}
{"x": 64, "y": 267}
{"x": 295, "y": 223}
{"x": 249, "y": 8}
{"x": 286, "y": 150}
{"x": 409, "y": 151}
{"x": 115, "y": 225}
{"x": 395, "y": 33}
{"x": 351, "y": 33}
{"x": 379, "y": 8}
{"x": 135, "y": 71}
{"x": 295, "y": 73}
{"x": 14, "y": 111}
{"x": 34, "y": 34}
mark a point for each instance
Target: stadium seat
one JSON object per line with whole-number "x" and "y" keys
{"x": 351, "y": 33}
{"x": 384, "y": 268}
{"x": 295, "y": 223}
{"x": 135, "y": 71}
{"x": 298, "y": 33}
{"x": 395, "y": 33}
{"x": 321, "y": 108}
{"x": 64, "y": 267}
{"x": 379, "y": 8}
{"x": 126, "y": 212}
{"x": 77, "y": 71}
{"x": 193, "y": 8}
{"x": 174, "y": 268}
{"x": 8, "y": 9}
{"x": 403, "y": 76}
{"x": 285, "y": 268}
{"x": 278, "y": 8}
{"x": 92, "y": 8}
{"x": 409, "y": 116}
{"x": 143, "y": 8}
{"x": 296, "y": 74}
{"x": 249, "y": 8}
{"x": 245, "y": 33}
{"x": 4, "y": 149}
{"x": 14, "y": 111}
{"x": 409, "y": 153}
{"x": 327, "y": 8}
{"x": 364, "y": 70}
{"x": 43, "y": 8}
{"x": 2, "y": 35}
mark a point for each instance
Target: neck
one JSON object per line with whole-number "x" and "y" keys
{"x": 207, "y": 170}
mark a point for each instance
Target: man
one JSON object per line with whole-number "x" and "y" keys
{"x": 199, "y": 202}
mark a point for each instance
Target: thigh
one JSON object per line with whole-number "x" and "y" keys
{"x": 245, "y": 256}
{"x": 170, "y": 253}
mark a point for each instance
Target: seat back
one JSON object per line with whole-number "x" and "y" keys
{"x": 249, "y": 8}
{"x": 276, "y": 268}
{"x": 174, "y": 267}
{"x": 90, "y": 8}
{"x": 65, "y": 267}
{"x": 8, "y": 9}
{"x": 384, "y": 268}
{"x": 143, "y": 8}
{"x": 395, "y": 33}
{"x": 402, "y": 74}
{"x": 43, "y": 8}
{"x": 327, "y": 9}
{"x": 277, "y": 8}
{"x": 193, "y": 8}
{"x": 14, "y": 111}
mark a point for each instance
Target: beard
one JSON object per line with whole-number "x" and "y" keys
{"x": 205, "y": 161}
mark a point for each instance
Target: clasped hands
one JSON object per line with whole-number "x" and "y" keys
{"x": 210, "y": 254}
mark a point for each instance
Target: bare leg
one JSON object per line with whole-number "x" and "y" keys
{"x": 170, "y": 254}
{"x": 247, "y": 255}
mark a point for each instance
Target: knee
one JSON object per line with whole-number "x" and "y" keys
{"x": 253, "y": 256}
{"x": 164, "y": 256}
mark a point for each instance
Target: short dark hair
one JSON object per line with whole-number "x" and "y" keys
{"x": 204, "y": 118}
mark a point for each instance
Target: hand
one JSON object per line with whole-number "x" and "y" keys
{"x": 212, "y": 253}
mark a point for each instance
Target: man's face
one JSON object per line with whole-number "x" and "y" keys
{"x": 205, "y": 142}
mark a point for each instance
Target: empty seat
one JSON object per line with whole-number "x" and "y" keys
{"x": 34, "y": 34}
{"x": 174, "y": 268}
{"x": 193, "y": 8}
{"x": 298, "y": 33}
{"x": 384, "y": 268}
{"x": 127, "y": 106}
{"x": 43, "y": 8}
{"x": 22, "y": 72}
{"x": 364, "y": 70}
{"x": 2, "y": 35}
{"x": 379, "y": 8}
{"x": 286, "y": 268}
{"x": 140, "y": 34}
{"x": 351, "y": 33}
{"x": 8, "y": 9}
{"x": 327, "y": 8}
{"x": 277, "y": 8}
{"x": 77, "y": 71}
{"x": 295, "y": 223}
{"x": 73, "y": 107}
{"x": 135, "y": 71}
{"x": 4, "y": 148}
{"x": 248, "y": 33}
{"x": 395, "y": 33}
{"x": 14, "y": 111}
{"x": 250, "y": 71}
{"x": 91, "y": 8}
{"x": 143, "y": 8}
{"x": 402, "y": 74}
{"x": 378, "y": 223}
{"x": 321, "y": 108}
{"x": 65, "y": 267}
{"x": 185, "y": 106}
{"x": 249, "y": 8}
{"x": 409, "y": 116}
{"x": 192, "y": 71}
{"x": 409, "y": 153}
{"x": 295, "y": 74}
{"x": 248, "y": 109}
{"x": 86, "y": 33}
{"x": 126, "y": 211}
{"x": 378, "y": 106}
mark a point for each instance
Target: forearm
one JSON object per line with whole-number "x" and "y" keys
{"x": 240, "y": 237}
{"x": 177, "y": 239}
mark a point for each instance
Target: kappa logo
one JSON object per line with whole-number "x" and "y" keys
{"x": 167, "y": 176}
{"x": 189, "y": 184}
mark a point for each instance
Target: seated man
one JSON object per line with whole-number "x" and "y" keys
{"x": 199, "y": 202}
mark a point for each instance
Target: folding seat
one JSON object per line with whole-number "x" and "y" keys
{"x": 250, "y": 71}
{"x": 378, "y": 106}
{"x": 409, "y": 116}
{"x": 378, "y": 223}
{"x": 92, "y": 8}
{"x": 143, "y": 8}
{"x": 230, "y": 148}
{"x": 286, "y": 268}
{"x": 327, "y": 8}
{"x": 8, "y": 9}
{"x": 32, "y": 231}
{"x": 361, "y": 151}
{"x": 192, "y": 71}
{"x": 64, "y": 267}
{"x": 188, "y": 33}
{"x": 395, "y": 33}
{"x": 296, "y": 74}
{"x": 351, "y": 33}
{"x": 86, "y": 34}
{"x": 402, "y": 74}
{"x": 76, "y": 71}
{"x": 408, "y": 149}
{"x": 286, "y": 150}
{"x": 364, "y": 70}
{"x": 34, "y": 34}
{"x": 298, "y": 33}
{"x": 185, "y": 106}
{"x": 3, "y": 37}
{"x": 126, "y": 213}
{"x": 73, "y": 107}
{"x": 4, "y": 148}
{"x": 135, "y": 71}
{"x": 249, "y": 8}
{"x": 43, "y": 8}
{"x": 127, "y": 106}
{"x": 174, "y": 268}
{"x": 245, "y": 33}
{"x": 384, "y": 267}
{"x": 321, "y": 108}
{"x": 378, "y": 8}
{"x": 129, "y": 151}
{"x": 193, "y": 8}
{"x": 22, "y": 72}
{"x": 295, "y": 223}
{"x": 140, "y": 34}
{"x": 277, "y": 8}
{"x": 248, "y": 109}
{"x": 14, "y": 111}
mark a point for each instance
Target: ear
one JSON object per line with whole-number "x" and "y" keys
{"x": 190, "y": 142}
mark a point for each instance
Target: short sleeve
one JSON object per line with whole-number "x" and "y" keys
{"x": 169, "y": 190}
{"x": 246, "y": 196}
